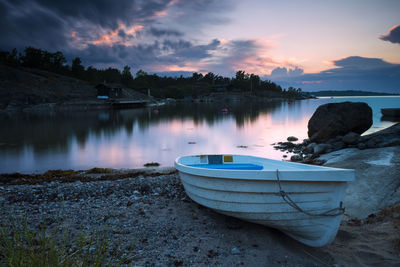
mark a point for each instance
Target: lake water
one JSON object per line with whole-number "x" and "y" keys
{"x": 34, "y": 143}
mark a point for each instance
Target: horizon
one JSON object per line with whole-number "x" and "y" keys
{"x": 293, "y": 44}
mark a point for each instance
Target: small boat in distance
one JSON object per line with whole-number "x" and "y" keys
{"x": 391, "y": 112}
{"x": 303, "y": 201}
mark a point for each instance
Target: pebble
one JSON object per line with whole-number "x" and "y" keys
{"x": 296, "y": 158}
{"x": 292, "y": 138}
{"x": 97, "y": 208}
{"x": 235, "y": 251}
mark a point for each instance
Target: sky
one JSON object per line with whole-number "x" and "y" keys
{"x": 312, "y": 44}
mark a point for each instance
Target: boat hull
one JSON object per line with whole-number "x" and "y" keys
{"x": 245, "y": 195}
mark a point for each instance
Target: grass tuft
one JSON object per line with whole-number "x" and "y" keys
{"x": 22, "y": 246}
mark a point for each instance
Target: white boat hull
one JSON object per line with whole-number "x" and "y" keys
{"x": 254, "y": 195}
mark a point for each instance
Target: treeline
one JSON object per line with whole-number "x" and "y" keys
{"x": 197, "y": 85}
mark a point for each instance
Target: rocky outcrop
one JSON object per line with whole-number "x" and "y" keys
{"x": 377, "y": 180}
{"x": 338, "y": 119}
{"x": 308, "y": 152}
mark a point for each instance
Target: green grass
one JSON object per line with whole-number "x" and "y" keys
{"x": 22, "y": 246}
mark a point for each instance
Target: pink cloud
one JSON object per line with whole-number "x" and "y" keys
{"x": 112, "y": 37}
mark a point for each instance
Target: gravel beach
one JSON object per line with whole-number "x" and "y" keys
{"x": 148, "y": 221}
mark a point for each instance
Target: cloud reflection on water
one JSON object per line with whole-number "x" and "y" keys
{"x": 130, "y": 138}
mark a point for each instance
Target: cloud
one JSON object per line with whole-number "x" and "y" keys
{"x": 189, "y": 51}
{"x": 154, "y": 35}
{"x": 352, "y": 73}
{"x": 393, "y": 35}
{"x": 250, "y": 55}
{"x": 167, "y": 55}
{"x": 70, "y": 25}
{"x": 104, "y": 13}
{"x": 28, "y": 24}
{"x": 361, "y": 63}
{"x": 286, "y": 72}
{"x": 164, "y": 32}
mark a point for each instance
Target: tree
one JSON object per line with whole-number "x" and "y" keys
{"x": 197, "y": 76}
{"x": 254, "y": 82}
{"x": 242, "y": 81}
{"x": 241, "y": 75}
{"x": 9, "y": 58}
{"x": 57, "y": 60}
{"x": 111, "y": 75}
{"x": 32, "y": 58}
{"x": 126, "y": 76}
{"x": 92, "y": 75}
{"x": 140, "y": 73}
{"x": 77, "y": 68}
{"x": 40, "y": 59}
{"x": 209, "y": 78}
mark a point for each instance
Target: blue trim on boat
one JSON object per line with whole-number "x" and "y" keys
{"x": 230, "y": 166}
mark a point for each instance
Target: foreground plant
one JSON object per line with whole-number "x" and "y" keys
{"x": 22, "y": 246}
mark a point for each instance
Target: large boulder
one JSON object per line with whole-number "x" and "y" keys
{"x": 333, "y": 119}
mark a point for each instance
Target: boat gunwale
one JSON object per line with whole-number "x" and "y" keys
{"x": 313, "y": 174}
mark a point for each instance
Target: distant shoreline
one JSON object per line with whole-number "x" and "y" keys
{"x": 348, "y": 93}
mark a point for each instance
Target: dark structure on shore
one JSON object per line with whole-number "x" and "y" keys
{"x": 108, "y": 91}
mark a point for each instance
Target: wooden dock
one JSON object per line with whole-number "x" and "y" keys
{"x": 127, "y": 103}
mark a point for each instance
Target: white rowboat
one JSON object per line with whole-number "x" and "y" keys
{"x": 303, "y": 201}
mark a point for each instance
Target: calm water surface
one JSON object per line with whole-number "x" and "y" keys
{"x": 34, "y": 143}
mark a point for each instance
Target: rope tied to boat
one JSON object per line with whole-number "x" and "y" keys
{"x": 285, "y": 196}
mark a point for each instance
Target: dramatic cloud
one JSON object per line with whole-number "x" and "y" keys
{"x": 98, "y": 30}
{"x": 393, "y": 35}
{"x": 352, "y": 73}
{"x": 154, "y": 35}
{"x": 59, "y": 24}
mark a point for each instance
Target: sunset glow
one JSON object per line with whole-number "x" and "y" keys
{"x": 113, "y": 37}
{"x": 291, "y": 44}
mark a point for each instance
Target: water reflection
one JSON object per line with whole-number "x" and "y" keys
{"x": 130, "y": 138}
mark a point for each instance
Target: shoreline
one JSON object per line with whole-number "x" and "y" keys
{"x": 95, "y": 104}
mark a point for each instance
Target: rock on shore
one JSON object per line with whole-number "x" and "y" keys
{"x": 338, "y": 119}
{"x": 377, "y": 173}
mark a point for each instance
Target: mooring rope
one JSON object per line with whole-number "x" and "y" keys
{"x": 285, "y": 196}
